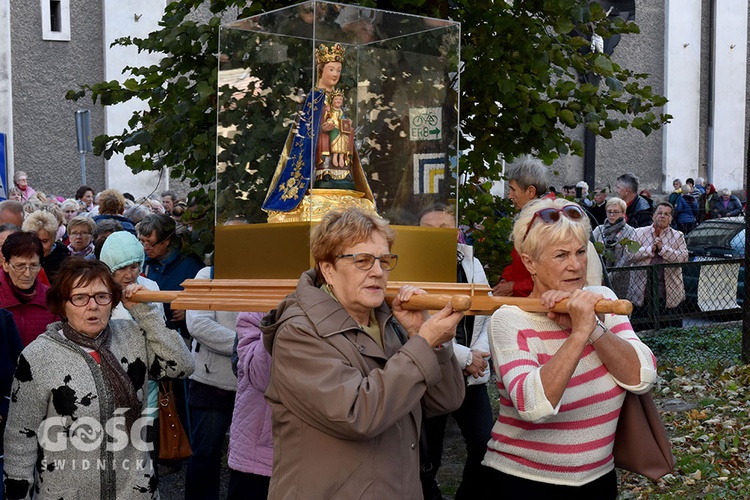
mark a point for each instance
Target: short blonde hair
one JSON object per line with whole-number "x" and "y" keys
{"x": 82, "y": 220}
{"x": 41, "y": 220}
{"x": 342, "y": 228}
{"x": 69, "y": 203}
{"x": 540, "y": 234}
{"x": 617, "y": 201}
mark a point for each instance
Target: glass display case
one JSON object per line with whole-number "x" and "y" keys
{"x": 324, "y": 105}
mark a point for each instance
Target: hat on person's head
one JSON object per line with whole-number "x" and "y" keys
{"x": 121, "y": 249}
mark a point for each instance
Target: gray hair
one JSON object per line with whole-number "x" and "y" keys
{"x": 630, "y": 180}
{"x": 69, "y": 203}
{"x": 162, "y": 225}
{"x": 530, "y": 172}
{"x": 726, "y": 191}
{"x": 136, "y": 212}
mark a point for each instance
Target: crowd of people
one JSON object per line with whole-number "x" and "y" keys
{"x": 77, "y": 350}
{"x": 336, "y": 393}
{"x": 627, "y": 241}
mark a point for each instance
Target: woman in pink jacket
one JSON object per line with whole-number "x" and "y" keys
{"x": 250, "y": 437}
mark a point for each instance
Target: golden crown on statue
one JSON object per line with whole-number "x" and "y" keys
{"x": 324, "y": 54}
{"x": 335, "y": 93}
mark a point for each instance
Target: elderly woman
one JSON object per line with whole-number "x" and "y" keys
{"x": 562, "y": 377}
{"x": 350, "y": 376}
{"x": 615, "y": 234}
{"x": 527, "y": 181}
{"x": 123, "y": 254}
{"x": 20, "y": 179}
{"x": 725, "y": 205}
{"x": 70, "y": 209}
{"x": 165, "y": 262}
{"x": 81, "y": 233}
{"x": 21, "y": 290}
{"x": 45, "y": 226}
{"x": 83, "y": 383}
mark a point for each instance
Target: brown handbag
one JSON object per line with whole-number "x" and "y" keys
{"x": 173, "y": 441}
{"x": 641, "y": 442}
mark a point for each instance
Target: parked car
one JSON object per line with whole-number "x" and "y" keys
{"x": 715, "y": 287}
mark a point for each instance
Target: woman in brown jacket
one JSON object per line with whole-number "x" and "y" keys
{"x": 350, "y": 376}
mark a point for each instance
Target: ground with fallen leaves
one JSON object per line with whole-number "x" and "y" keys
{"x": 703, "y": 392}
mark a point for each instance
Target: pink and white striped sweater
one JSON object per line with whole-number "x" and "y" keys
{"x": 570, "y": 444}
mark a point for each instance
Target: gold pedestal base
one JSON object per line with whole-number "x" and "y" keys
{"x": 282, "y": 251}
{"x": 318, "y": 202}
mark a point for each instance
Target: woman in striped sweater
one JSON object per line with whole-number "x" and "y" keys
{"x": 562, "y": 377}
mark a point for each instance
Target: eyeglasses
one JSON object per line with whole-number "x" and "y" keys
{"x": 365, "y": 261}
{"x": 79, "y": 235}
{"x": 614, "y": 212}
{"x": 22, "y": 269}
{"x": 148, "y": 244}
{"x": 82, "y": 299}
{"x": 552, "y": 215}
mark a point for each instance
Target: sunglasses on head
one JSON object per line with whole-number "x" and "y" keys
{"x": 552, "y": 215}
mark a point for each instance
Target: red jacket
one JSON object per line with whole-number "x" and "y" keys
{"x": 32, "y": 317}
{"x": 517, "y": 273}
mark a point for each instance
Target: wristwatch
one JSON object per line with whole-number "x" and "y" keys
{"x": 599, "y": 330}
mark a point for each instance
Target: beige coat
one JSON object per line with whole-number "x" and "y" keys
{"x": 346, "y": 413}
{"x": 673, "y": 249}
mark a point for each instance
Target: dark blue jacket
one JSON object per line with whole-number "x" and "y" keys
{"x": 10, "y": 348}
{"x": 686, "y": 209}
{"x": 126, "y": 223}
{"x": 170, "y": 272}
{"x": 639, "y": 213}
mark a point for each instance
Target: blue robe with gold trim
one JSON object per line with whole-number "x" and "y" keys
{"x": 296, "y": 167}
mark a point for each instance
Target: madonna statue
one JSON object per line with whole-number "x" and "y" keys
{"x": 319, "y": 151}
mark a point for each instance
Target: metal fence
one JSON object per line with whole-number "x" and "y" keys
{"x": 711, "y": 292}
{"x": 698, "y": 281}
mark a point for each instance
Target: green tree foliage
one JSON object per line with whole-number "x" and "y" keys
{"x": 522, "y": 92}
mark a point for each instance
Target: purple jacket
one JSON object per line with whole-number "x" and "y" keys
{"x": 250, "y": 437}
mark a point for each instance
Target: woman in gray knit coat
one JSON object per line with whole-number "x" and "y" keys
{"x": 77, "y": 420}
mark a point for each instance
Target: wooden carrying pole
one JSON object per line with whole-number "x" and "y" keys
{"x": 264, "y": 295}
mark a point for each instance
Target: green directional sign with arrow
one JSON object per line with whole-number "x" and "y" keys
{"x": 425, "y": 124}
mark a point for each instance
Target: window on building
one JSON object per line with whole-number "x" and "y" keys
{"x": 56, "y": 20}
{"x": 55, "y": 16}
